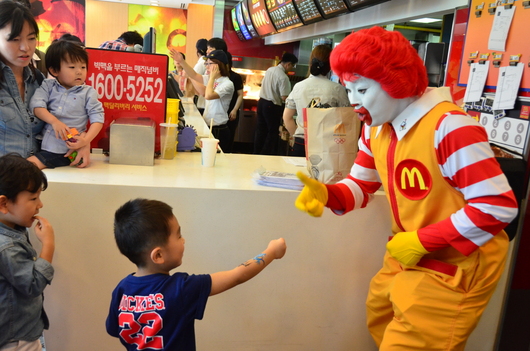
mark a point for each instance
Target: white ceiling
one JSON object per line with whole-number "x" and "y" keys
{"x": 179, "y": 4}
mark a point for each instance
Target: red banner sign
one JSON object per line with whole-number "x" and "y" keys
{"x": 129, "y": 84}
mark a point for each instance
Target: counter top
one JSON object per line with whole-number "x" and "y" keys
{"x": 192, "y": 117}
{"x": 231, "y": 171}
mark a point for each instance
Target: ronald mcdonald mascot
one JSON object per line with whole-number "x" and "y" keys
{"x": 448, "y": 197}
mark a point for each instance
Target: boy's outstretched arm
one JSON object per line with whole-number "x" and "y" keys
{"x": 222, "y": 281}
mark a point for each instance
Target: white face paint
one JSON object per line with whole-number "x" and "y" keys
{"x": 373, "y": 105}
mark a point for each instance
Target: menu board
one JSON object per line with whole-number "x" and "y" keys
{"x": 260, "y": 17}
{"x": 248, "y": 21}
{"x": 331, "y": 8}
{"x": 308, "y": 11}
{"x": 236, "y": 25}
{"x": 355, "y": 5}
{"x": 241, "y": 22}
{"x": 283, "y": 14}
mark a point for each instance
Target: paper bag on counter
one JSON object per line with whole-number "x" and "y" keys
{"x": 331, "y": 136}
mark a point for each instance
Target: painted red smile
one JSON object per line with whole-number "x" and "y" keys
{"x": 362, "y": 113}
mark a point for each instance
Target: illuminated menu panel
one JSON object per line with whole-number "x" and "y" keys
{"x": 241, "y": 22}
{"x": 283, "y": 14}
{"x": 246, "y": 18}
{"x": 332, "y": 8}
{"x": 308, "y": 11}
{"x": 355, "y": 5}
{"x": 260, "y": 17}
{"x": 236, "y": 25}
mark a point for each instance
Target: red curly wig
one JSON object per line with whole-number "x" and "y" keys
{"x": 384, "y": 56}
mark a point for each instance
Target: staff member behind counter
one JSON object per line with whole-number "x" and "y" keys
{"x": 216, "y": 88}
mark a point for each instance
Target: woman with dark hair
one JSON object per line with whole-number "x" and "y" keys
{"x": 18, "y": 79}
{"x": 19, "y": 128}
{"x": 316, "y": 86}
{"x": 217, "y": 90}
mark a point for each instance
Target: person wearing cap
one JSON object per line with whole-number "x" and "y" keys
{"x": 275, "y": 88}
{"x": 237, "y": 96}
{"x": 200, "y": 68}
{"x": 217, "y": 90}
{"x": 449, "y": 198}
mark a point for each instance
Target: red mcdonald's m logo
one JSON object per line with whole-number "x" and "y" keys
{"x": 413, "y": 179}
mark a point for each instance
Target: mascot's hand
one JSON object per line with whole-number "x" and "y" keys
{"x": 406, "y": 248}
{"x": 314, "y": 196}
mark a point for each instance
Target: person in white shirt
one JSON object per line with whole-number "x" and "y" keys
{"x": 316, "y": 86}
{"x": 216, "y": 88}
{"x": 275, "y": 88}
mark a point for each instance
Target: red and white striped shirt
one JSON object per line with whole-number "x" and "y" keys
{"x": 466, "y": 162}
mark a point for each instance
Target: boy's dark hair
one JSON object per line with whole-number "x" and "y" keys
{"x": 288, "y": 57}
{"x": 71, "y": 37}
{"x": 218, "y": 44}
{"x": 140, "y": 225}
{"x": 18, "y": 174}
{"x": 132, "y": 38}
{"x": 17, "y": 14}
{"x": 64, "y": 50}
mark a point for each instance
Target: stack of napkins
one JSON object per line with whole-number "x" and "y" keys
{"x": 278, "y": 180}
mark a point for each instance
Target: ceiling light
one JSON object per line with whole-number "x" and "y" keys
{"x": 426, "y": 20}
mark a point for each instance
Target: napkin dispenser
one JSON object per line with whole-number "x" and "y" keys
{"x": 132, "y": 141}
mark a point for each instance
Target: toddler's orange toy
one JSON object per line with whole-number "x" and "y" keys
{"x": 70, "y": 136}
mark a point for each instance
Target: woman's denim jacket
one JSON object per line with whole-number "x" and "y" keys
{"x": 23, "y": 277}
{"x": 19, "y": 128}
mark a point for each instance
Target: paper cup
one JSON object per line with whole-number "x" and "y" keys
{"x": 168, "y": 140}
{"x": 208, "y": 151}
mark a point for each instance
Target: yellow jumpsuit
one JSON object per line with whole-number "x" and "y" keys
{"x": 436, "y": 304}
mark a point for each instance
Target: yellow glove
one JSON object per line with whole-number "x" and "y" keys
{"x": 406, "y": 248}
{"x": 313, "y": 198}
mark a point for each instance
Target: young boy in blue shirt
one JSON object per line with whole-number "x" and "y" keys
{"x": 23, "y": 273}
{"x": 151, "y": 309}
{"x": 65, "y": 102}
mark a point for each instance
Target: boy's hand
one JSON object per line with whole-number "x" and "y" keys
{"x": 313, "y": 198}
{"x": 277, "y": 247}
{"x": 82, "y": 159}
{"x": 80, "y": 142}
{"x": 44, "y": 231}
{"x": 61, "y": 130}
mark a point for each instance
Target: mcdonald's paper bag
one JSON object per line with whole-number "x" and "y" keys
{"x": 331, "y": 136}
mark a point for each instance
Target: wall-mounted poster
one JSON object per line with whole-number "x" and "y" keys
{"x": 478, "y": 36}
{"x": 56, "y": 18}
{"x": 169, "y": 23}
{"x": 283, "y": 14}
{"x": 260, "y": 17}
